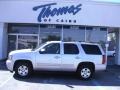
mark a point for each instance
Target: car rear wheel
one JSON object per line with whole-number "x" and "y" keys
{"x": 85, "y": 72}
{"x": 23, "y": 69}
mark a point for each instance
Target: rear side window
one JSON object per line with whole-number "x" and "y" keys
{"x": 91, "y": 49}
{"x": 71, "y": 49}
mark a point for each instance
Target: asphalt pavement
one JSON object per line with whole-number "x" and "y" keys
{"x": 104, "y": 80}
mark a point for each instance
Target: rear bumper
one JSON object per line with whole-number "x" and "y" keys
{"x": 100, "y": 67}
{"x": 9, "y": 65}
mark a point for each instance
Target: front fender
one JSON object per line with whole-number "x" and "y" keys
{"x": 25, "y": 56}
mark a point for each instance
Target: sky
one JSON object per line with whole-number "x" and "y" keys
{"x": 116, "y": 1}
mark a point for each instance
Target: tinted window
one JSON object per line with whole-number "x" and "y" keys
{"x": 91, "y": 49}
{"x": 89, "y": 28}
{"x": 103, "y": 29}
{"x": 53, "y": 48}
{"x": 66, "y": 27}
{"x": 71, "y": 49}
{"x": 23, "y": 29}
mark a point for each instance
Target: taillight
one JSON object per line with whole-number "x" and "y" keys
{"x": 104, "y": 59}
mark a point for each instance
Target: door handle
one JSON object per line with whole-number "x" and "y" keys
{"x": 57, "y": 57}
{"x": 77, "y": 57}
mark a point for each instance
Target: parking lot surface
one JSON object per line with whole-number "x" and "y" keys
{"x": 105, "y": 80}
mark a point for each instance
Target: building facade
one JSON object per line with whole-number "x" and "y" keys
{"x": 29, "y": 23}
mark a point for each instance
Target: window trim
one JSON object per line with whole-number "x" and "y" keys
{"x": 88, "y": 53}
{"x": 49, "y": 53}
{"x": 73, "y": 44}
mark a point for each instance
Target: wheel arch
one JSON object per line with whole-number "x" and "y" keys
{"x": 91, "y": 64}
{"x": 22, "y": 60}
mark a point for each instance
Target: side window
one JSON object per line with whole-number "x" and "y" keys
{"x": 53, "y": 48}
{"x": 91, "y": 49}
{"x": 71, "y": 49}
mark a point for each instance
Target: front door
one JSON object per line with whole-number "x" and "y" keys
{"x": 49, "y": 57}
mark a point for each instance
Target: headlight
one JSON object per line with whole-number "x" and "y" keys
{"x": 10, "y": 57}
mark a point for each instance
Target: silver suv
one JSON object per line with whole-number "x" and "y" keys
{"x": 83, "y": 58}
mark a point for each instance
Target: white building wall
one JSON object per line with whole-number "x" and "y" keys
{"x": 92, "y": 13}
{"x": 3, "y": 41}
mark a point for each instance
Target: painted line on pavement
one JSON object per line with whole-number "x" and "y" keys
{"x": 5, "y": 81}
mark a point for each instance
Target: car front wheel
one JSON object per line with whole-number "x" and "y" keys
{"x": 23, "y": 69}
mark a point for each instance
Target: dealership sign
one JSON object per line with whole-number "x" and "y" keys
{"x": 47, "y": 12}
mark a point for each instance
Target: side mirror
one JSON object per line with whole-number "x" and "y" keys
{"x": 42, "y": 51}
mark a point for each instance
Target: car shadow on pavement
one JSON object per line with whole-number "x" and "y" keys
{"x": 62, "y": 78}
{"x": 3, "y": 65}
{"x": 105, "y": 78}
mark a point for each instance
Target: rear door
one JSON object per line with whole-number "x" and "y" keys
{"x": 69, "y": 56}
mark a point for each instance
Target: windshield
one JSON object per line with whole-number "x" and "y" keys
{"x": 38, "y": 46}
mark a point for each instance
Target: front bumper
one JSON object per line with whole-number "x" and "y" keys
{"x": 9, "y": 65}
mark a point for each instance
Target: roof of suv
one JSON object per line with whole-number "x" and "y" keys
{"x": 73, "y": 42}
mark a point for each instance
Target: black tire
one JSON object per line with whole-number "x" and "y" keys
{"x": 26, "y": 71}
{"x": 85, "y": 75}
